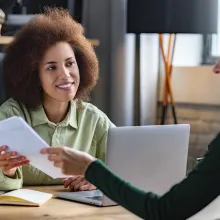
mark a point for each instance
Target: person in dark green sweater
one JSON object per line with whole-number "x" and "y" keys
{"x": 182, "y": 201}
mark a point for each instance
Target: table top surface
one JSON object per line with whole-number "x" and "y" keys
{"x": 63, "y": 209}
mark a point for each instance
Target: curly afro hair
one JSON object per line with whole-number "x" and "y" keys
{"x": 24, "y": 53}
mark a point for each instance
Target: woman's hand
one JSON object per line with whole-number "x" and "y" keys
{"x": 78, "y": 183}
{"x": 71, "y": 162}
{"x": 216, "y": 68}
{"x": 9, "y": 161}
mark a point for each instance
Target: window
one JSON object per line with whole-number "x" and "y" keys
{"x": 211, "y": 52}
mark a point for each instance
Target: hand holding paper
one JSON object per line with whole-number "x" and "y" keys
{"x": 9, "y": 161}
{"x": 20, "y": 137}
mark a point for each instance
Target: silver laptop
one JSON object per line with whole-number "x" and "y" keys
{"x": 151, "y": 157}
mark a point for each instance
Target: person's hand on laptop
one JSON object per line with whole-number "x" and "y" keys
{"x": 71, "y": 162}
{"x": 9, "y": 161}
{"x": 78, "y": 183}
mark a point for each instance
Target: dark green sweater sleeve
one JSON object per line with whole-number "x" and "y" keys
{"x": 183, "y": 200}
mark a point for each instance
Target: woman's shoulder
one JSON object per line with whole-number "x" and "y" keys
{"x": 9, "y": 108}
{"x": 89, "y": 108}
{"x": 90, "y": 111}
{"x": 9, "y": 104}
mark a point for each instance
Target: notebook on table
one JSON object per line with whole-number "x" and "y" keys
{"x": 25, "y": 197}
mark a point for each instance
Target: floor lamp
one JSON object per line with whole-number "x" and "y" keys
{"x": 170, "y": 17}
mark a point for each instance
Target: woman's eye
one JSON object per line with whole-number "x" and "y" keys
{"x": 51, "y": 68}
{"x": 70, "y": 63}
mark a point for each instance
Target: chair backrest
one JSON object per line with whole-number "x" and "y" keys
{"x": 2, "y": 90}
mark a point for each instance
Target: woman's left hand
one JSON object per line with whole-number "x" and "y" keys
{"x": 78, "y": 183}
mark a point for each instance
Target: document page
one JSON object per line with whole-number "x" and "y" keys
{"x": 20, "y": 137}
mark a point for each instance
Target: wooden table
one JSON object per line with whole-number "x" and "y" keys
{"x": 8, "y": 39}
{"x": 63, "y": 210}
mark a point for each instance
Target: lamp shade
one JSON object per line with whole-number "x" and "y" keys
{"x": 172, "y": 16}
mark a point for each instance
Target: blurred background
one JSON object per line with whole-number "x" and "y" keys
{"x": 129, "y": 37}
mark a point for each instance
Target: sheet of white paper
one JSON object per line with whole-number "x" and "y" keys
{"x": 20, "y": 137}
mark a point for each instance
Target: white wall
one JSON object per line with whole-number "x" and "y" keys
{"x": 149, "y": 72}
{"x": 188, "y": 50}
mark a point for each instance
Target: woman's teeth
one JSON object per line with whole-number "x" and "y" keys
{"x": 65, "y": 86}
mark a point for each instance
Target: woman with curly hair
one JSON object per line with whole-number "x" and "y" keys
{"x": 49, "y": 71}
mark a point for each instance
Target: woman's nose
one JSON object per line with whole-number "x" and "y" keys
{"x": 64, "y": 72}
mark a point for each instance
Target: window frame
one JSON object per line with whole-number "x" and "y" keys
{"x": 208, "y": 57}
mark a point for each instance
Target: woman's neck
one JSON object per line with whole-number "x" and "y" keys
{"x": 55, "y": 111}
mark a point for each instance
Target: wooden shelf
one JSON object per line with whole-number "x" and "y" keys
{"x": 8, "y": 39}
{"x": 5, "y": 39}
{"x": 94, "y": 42}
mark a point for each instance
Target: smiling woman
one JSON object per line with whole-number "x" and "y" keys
{"x": 49, "y": 70}
{"x": 59, "y": 77}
